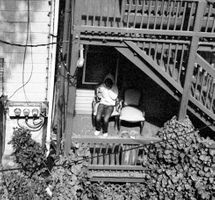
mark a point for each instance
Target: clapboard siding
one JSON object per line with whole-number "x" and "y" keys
{"x": 83, "y": 104}
{"x": 35, "y": 38}
{"x": 34, "y": 51}
{"x": 39, "y": 69}
{"x": 21, "y": 16}
{"x": 13, "y": 29}
{"x": 18, "y": 59}
{"x": 20, "y": 27}
{"x": 20, "y": 5}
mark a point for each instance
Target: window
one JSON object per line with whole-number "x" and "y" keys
{"x": 99, "y": 61}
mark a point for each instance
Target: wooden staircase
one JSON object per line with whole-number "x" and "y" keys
{"x": 169, "y": 36}
{"x": 172, "y": 41}
{"x": 167, "y": 65}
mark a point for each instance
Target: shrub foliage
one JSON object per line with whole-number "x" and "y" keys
{"x": 67, "y": 178}
{"x": 179, "y": 167}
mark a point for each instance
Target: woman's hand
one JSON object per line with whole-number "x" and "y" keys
{"x": 99, "y": 93}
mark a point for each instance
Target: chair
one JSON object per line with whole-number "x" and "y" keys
{"x": 115, "y": 114}
{"x": 130, "y": 111}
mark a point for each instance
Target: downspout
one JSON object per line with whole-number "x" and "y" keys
{"x": 55, "y": 16}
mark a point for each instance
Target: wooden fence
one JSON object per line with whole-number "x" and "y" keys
{"x": 115, "y": 159}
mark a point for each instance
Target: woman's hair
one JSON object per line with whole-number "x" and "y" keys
{"x": 108, "y": 82}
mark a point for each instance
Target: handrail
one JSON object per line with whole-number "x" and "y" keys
{"x": 169, "y": 60}
{"x": 203, "y": 86}
{"x": 110, "y": 140}
{"x": 161, "y": 15}
{"x": 113, "y": 152}
{"x": 115, "y": 159}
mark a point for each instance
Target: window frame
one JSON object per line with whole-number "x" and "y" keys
{"x": 83, "y": 80}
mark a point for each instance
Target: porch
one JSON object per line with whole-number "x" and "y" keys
{"x": 101, "y": 60}
{"x": 115, "y": 159}
{"x": 83, "y": 127}
{"x": 150, "y": 45}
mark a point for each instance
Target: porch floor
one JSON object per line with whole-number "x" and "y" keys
{"x": 83, "y": 126}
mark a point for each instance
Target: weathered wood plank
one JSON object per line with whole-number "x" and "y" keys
{"x": 71, "y": 95}
{"x": 190, "y": 66}
{"x": 131, "y": 31}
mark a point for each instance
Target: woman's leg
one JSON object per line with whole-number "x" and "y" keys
{"x": 99, "y": 113}
{"x": 107, "y": 113}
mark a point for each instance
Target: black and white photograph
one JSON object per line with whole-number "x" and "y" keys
{"x": 107, "y": 99}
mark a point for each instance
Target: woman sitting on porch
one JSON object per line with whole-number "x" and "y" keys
{"x": 107, "y": 94}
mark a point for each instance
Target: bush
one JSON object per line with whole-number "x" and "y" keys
{"x": 68, "y": 179}
{"x": 180, "y": 167}
{"x": 19, "y": 186}
{"x": 30, "y": 181}
{"x": 29, "y": 155}
{"x": 71, "y": 180}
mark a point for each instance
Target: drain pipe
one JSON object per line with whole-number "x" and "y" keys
{"x": 54, "y": 20}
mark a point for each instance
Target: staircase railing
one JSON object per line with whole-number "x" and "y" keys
{"x": 178, "y": 15}
{"x": 203, "y": 86}
{"x": 114, "y": 158}
{"x": 169, "y": 60}
{"x": 169, "y": 55}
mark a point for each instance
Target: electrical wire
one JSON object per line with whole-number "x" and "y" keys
{"x": 26, "y": 45}
{"x": 24, "y": 58}
{"x": 29, "y": 45}
{"x": 31, "y": 73}
{"x": 25, "y": 51}
{"x": 124, "y": 150}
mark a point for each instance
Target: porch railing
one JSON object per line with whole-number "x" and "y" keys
{"x": 169, "y": 55}
{"x": 203, "y": 86}
{"x": 114, "y": 159}
{"x": 176, "y": 15}
{"x": 170, "y": 59}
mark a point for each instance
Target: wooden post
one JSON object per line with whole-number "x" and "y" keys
{"x": 71, "y": 86}
{"x": 2, "y": 125}
{"x": 1, "y": 129}
{"x": 60, "y": 84}
{"x": 190, "y": 66}
{"x": 2, "y": 109}
{"x": 71, "y": 94}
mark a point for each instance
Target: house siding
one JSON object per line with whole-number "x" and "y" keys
{"x": 32, "y": 67}
{"x": 13, "y": 17}
{"x": 84, "y": 99}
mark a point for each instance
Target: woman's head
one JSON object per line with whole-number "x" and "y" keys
{"x": 108, "y": 82}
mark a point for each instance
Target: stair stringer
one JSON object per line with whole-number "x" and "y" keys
{"x": 154, "y": 65}
{"x": 138, "y": 56}
{"x": 137, "y": 61}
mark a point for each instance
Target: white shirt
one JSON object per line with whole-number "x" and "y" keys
{"x": 108, "y": 96}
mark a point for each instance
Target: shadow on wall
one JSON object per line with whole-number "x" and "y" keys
{"x": 14, "y": 26}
